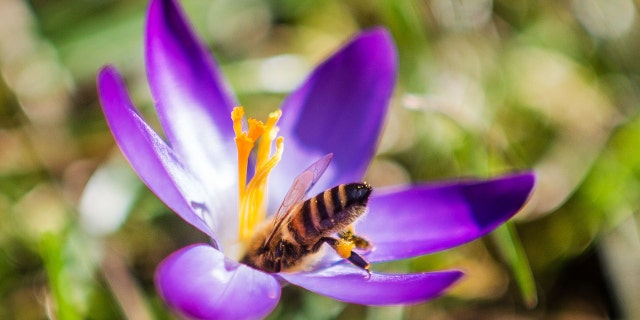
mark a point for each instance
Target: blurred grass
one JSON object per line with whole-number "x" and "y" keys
{"x": 485, "y": 87}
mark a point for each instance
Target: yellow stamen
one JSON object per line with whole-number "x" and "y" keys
{"x": 252, "y": 195}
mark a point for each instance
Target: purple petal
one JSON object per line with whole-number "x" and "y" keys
{"x": 156, "y": 164}
{"x": 348, "y": 284}
{"x": 191, "y": 97}
{"x": 428, "y": 218}
{"x": 339, "y": 109}
{"x": 200, "y": 282}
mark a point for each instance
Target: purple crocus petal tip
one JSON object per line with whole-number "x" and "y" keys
{"x": 506, "y": 194}
{"x": 340, "y": 108}
{"x": 348, "y": 284}
{"x": 434, "y": 217}
{"x": 199, "y": 282}
{"x": 182, "y": 73}
{"x": 107, "y": 72}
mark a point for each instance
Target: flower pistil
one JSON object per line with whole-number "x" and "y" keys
{"x": 252, "y": 198}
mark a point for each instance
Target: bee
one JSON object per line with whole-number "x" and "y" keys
{"x": 299, "y": 228}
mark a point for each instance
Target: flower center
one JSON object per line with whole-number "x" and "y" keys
{"x": 252, "y": 199}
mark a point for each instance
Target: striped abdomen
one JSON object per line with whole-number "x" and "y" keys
{"x": 328, "y": 212}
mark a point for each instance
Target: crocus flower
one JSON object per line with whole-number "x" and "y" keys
{"x": 202, "y": 168}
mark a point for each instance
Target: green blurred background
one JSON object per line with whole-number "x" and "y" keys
{"x": 485, "y": 88}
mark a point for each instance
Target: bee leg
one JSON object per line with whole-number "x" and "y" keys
{"x": 344, "y": 248}
{"x": 361, "y": 243}
{"x": 359, "y": 261}
{"x": 279, "y": 254}
{"x": 349, "y": 235}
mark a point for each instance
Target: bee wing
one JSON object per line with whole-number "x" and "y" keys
{"x": 318, "y": 168}
{"x": 302, "y": 183}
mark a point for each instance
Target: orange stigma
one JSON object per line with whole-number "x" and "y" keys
{"x": 252, "y": 195}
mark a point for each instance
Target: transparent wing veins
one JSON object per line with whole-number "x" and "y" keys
{"x": 301, "y": 184}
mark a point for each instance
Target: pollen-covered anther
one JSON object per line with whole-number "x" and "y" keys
{"x": 344, "y": 248}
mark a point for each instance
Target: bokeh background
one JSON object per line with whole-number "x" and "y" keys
{"x": 485, "y": 88}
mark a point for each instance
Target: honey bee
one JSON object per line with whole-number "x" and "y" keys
{"x": 299, "y": 228}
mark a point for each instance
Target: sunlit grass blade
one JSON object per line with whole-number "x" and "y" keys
{"x": 52, "y": 248}
{"x": 508, "y": 243}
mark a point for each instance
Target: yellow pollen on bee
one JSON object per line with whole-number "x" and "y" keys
{"x": 344, "y": 248}
{"x": 252, "y": 204}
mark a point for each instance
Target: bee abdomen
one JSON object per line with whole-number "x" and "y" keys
{"x": 357, "y": 194}
{"x": 329, "y": 210}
